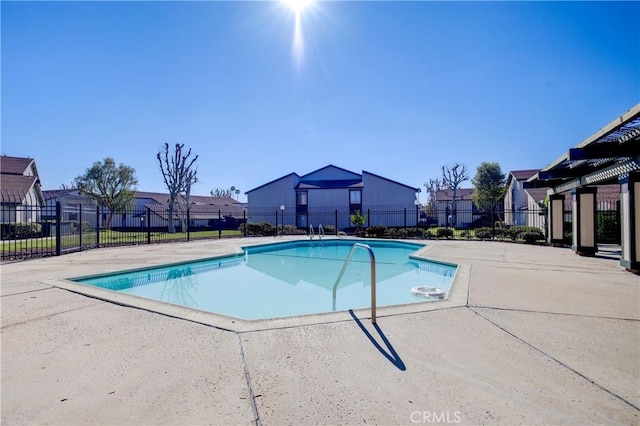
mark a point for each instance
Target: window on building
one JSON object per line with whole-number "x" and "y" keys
{"x": 355, "y": 196}
{"x": 301, "y": 198}
{"x": 301, "y": 220}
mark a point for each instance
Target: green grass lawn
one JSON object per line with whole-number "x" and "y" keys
{"x": 107, "y": 237}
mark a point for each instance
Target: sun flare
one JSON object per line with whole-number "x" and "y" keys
{"x": 297, "y": 6}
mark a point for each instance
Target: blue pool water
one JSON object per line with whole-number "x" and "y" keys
{"x": 286, "y": 279}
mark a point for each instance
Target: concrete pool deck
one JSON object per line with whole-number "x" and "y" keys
{"x": 543, "y": 337}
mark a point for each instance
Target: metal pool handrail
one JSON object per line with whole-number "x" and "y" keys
{"x": 373, "y": 277}
{"x": 311, "y": 234}
{"x": 320, "y": 232}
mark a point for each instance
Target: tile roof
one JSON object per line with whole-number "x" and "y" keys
{"x": 14, "y": 188}
{"x": 523, "y": 174}
{"x": 199, "y": 211}
{"x": 461, "y": 194}
{"x": 538, "y": 194}
{"x": 14, "y": 165}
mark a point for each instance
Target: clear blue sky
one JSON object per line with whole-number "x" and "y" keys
{"x": 395, "y": 88}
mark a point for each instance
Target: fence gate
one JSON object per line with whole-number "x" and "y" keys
{"x": 608, "y": 226}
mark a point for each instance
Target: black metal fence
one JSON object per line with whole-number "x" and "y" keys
{"x": 29, "y": 231}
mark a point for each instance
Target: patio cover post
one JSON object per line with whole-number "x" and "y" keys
{"x": 556, "y": 219}
{"x": 630, "y": 215}
{"x": 584, "y": 221}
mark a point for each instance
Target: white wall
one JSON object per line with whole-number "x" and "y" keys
{"x": 464, "y": 212}
{"x": 533, "y": 218}
{"x": 516, "y": 199}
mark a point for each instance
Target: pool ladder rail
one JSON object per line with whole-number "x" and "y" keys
{"x": 320, "y": 232}
{"x": 372, "y": 260}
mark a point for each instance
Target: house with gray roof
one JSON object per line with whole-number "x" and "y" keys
{"x": 20, "y": 194}
{"x": 329, "y": 195}
{"x": 151, "y": 209}
{"x": 523, "y": 205}
{"x": 460, "y": 212}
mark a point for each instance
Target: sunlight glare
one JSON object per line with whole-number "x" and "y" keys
{"x": 297, "y": 5}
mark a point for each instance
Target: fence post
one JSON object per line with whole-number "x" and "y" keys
{"x": 405, "y": 217}
{"x": 97, "y": 226}
{"x": 368, "y": 218}
{"x": 244, "y": 216}
{"x": 336, "y": 221}
{"x": 493, "y": 223}
{"x": 58, "y": 228}
{"x": 188, "y": 223}
{"x": 80, "y": 225}
{"x": 148, "y": 225}
{"x": 219, "y": 225}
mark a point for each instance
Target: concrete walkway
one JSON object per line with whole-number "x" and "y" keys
{"x": 543, "y": 337}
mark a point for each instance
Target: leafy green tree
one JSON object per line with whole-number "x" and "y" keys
{"x": 358, "y": 220}
{"x": 489, "y": 183}
{"x": 179, "y": 174}
{"x": 109, "y": 185}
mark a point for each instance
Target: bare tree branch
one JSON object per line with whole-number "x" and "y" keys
{"x": 178, "y": 174}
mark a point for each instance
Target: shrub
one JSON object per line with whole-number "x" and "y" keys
{"x": 377, "y": 230}
{"x": 607, "y": 225}
{"x": 413, "y": 232}
{"x": 499, "y": 232}
{"x": 291, "y": 230}
{"x": 260, "y": 228}
{"x": 402, "y": 233}
{"x": 517, "y": 232}
{"x": 530, "y": 237}
{"x": 21, "y": 230}
{"x": 329, "y": 229}
{"x": 484, "y": 233}
{"x": 465, "y": 234}
{"x": 444, "y": 232}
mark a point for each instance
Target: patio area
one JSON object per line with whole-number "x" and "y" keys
{"x": 539, "y": 336}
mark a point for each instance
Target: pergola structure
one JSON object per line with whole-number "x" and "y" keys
{"x": 611, "y": 155}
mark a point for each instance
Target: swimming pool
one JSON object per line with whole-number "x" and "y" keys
{"x": 286, "y": 279}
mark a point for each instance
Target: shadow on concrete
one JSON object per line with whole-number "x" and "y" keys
{"x": 392, "y": 355}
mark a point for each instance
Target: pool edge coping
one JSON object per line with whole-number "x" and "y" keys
{"x": 457, "y": 297}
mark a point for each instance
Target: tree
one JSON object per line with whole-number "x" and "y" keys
{"x": 178, "y": 174}
{"x": 358, "y": 220}
{"x": 221, "y": 193}
{"x": 489, "y": 183}
{"x": 191, "y": 178}
{"x": 433, "y": 186}
{"x": 109, "y": 185}
{"x": 452, "y": 177}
